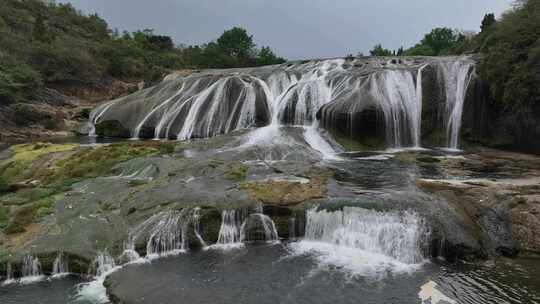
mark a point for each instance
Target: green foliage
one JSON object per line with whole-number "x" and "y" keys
{"x": 17, "y": 80}
{"x": 234, "y": 48}
{"x": 440, "y": 41}
{"x": 45, "y": 43}
{"x": 420, "y": 50}
{"x": 511, "y": 66}
{"x": 237, "y": 44}
{"x": 378, "y": 50}
{"x": 267, "y": 57}
{"x": 488, "y": 21}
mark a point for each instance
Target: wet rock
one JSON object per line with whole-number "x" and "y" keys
{"x": 524, "y": 217}
{"x": 112, "y": 128}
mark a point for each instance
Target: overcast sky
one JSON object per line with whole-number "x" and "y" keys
{"x": 297, "y": 29}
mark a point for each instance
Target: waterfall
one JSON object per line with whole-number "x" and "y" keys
{"x": 31, "y": 270}
{"x": 457, "y": 75}
{"x": 96, "y": 114}
{"x": 9, "y": 275}
{"x": 237, "y": 227}
{"x": 397, "y": 97}
{"x": 166, "y": 233}
{"x": 292, "y": 228}
{"x": 102, "y": 264}
{"x": 94, "y": 291}
{"x": 229, "y": 231}
{"x": 60, "y": 266}
{"x": 364, "y": 242}
{"x": 168, "y": 236}
{"x": 337, "y": 93}
{"x": 196, "y": 217}
{"x": 256, "y": 221}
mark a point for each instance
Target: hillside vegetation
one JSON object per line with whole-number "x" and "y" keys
{"x": 44, "y": 44}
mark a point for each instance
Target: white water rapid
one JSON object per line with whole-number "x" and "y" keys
{"x": 364, "y": 242}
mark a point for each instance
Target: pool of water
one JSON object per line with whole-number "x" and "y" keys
{"x": 276, "y": 273}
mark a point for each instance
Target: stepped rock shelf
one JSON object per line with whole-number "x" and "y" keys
{"x": 264, "y": 155}
{"x": 379, "y": 102}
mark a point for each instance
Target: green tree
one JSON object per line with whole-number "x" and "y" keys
{"x": 510, "y": 66}
{"x": 237, "y": 44}
{"x": 378, "y": 50}
{"x": 440, "y": 40}
{"x": 488, "y": 21}
{"x": 267, "y": 57}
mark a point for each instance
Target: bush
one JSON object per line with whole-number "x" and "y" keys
{"x": 17, "y": 81}
{"x": 511, "y": 65}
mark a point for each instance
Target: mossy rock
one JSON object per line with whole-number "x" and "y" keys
{"x": 4, "y": 216}
{"x": 237, "y": 172}
{"x": 364, "y": 144}
{"x": 112, "y": 128}
{"x": 210, "y": 222}
{"x": 21, "y": 165}
{"x": 28, "y": 214}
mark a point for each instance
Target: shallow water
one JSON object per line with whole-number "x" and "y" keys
{"x": 57, "y": 291}
{"x": 266, "y": 273}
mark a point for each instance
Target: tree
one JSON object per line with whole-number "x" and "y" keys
{"x": 267, "y": 57}
{"x": 237, "y": 44}
{"x": 378, "y": 50}
{"x": 488, "y": 22}
{"x": 440, "y": 40}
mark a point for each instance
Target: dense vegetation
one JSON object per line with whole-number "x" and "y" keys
{"x": 43, "y": 43}
{"x": 510, "y": 65}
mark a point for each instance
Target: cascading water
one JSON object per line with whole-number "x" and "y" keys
{"x": 103, "y": 263}
{"x": 229, "y": 231}
{"x": 239, "y": 226}
{"x": 9, "y": 275}
{"x": 31, "y": 270}
{"x": 166, "y": 233}
{"x": 398, "y": 98}
{"x": 60, "y": 265}
{"x": 331, "y": 92}
{"x": 168, "y": 236}
{"x": 364, "y": 242}
{"x": 457, "y": 75}
{"x": 95, "y": 115}
{"x": 196, "y": 216}
{"x": 94, "y": 291}
{"x": 256, "y": 221}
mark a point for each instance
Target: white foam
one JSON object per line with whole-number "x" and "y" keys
{"x": 95, "y": 291}
{"x": 363, "y": 242}
{"x": 354, "y": 261}
{"x": 31, "y": 279}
